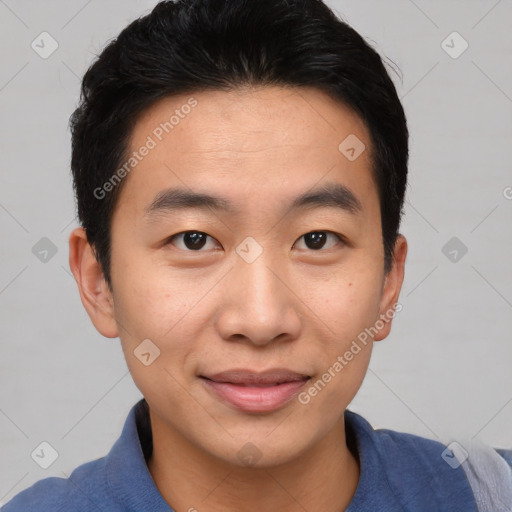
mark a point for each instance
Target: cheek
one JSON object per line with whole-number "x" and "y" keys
{"x": 150, "y": 311}
{"x": 334, "y": 387}
{"x": 156, "y": 303}
{"x": 347, "y": 302}
{"x": 146, "y": 303}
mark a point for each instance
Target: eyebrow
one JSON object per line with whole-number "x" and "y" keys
{"x": 330, "y": 195}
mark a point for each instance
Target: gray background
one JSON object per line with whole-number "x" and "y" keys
{"x": 443, "y": 373}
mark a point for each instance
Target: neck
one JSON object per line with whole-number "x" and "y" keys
{"x": 324, "y": 478}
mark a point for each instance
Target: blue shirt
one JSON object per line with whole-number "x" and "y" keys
{"x": 399, "y": 472}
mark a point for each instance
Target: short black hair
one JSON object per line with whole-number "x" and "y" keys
{"x": 187, "y": 46}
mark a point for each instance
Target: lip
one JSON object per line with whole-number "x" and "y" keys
{"x": 251, "y": 391}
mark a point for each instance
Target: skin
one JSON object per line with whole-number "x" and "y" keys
{"x": 295, "y": 306}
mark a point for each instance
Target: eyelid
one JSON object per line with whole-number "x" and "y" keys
{"x": 169, "y": 240}
{"x": 341, "y": 239}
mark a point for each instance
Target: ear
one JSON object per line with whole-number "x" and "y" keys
{"x": 94, "y": 292}
{"x": 391, "y": 288}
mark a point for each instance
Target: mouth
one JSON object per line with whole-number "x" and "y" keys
{"x": 242, "y": 376}
{"x": 250, "y": 391}
{"x": 250, "y": 385}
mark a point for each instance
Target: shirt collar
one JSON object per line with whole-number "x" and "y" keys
{"x": 127, "y": 475}
{"x": 131, "y": 482}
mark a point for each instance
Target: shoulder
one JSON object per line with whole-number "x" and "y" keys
{"x": 419, "y": 470}
{"x": 417, "y": 465}
{"x": 84, "y": 489}
{"x": 394, "y": 449}
{"x": 116, "y": 482}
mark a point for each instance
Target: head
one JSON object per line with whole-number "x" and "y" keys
{"x": 288, "y": 121}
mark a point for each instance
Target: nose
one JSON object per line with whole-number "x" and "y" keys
{"x": 257, "y": 304}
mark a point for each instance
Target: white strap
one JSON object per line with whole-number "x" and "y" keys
{"x": 488, "y": 473}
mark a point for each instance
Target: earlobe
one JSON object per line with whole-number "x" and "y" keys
{"x": 392, "y": 286}
{"x": 94, "y": 292}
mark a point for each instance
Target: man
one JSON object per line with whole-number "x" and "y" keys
{"x": 240, "y": 170}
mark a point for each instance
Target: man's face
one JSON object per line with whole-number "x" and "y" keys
{"x": 262, "y": 285}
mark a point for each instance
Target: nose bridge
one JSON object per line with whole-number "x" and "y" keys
{"x": 253, "y": 264}
{"x": 261, "y": 286}
{"x": 257, "y": 305}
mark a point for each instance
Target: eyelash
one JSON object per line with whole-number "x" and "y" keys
{"x": 340, "y": 238}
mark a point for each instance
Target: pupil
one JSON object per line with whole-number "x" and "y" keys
{"x": 315, "y": 240}
{"x": 194, "y": 240}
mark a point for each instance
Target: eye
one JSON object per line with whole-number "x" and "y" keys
{"x": 319, "y": 239}
{"x": 190, "y": 240}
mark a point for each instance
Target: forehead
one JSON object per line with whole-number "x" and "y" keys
{"x": 256, "y": 144}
